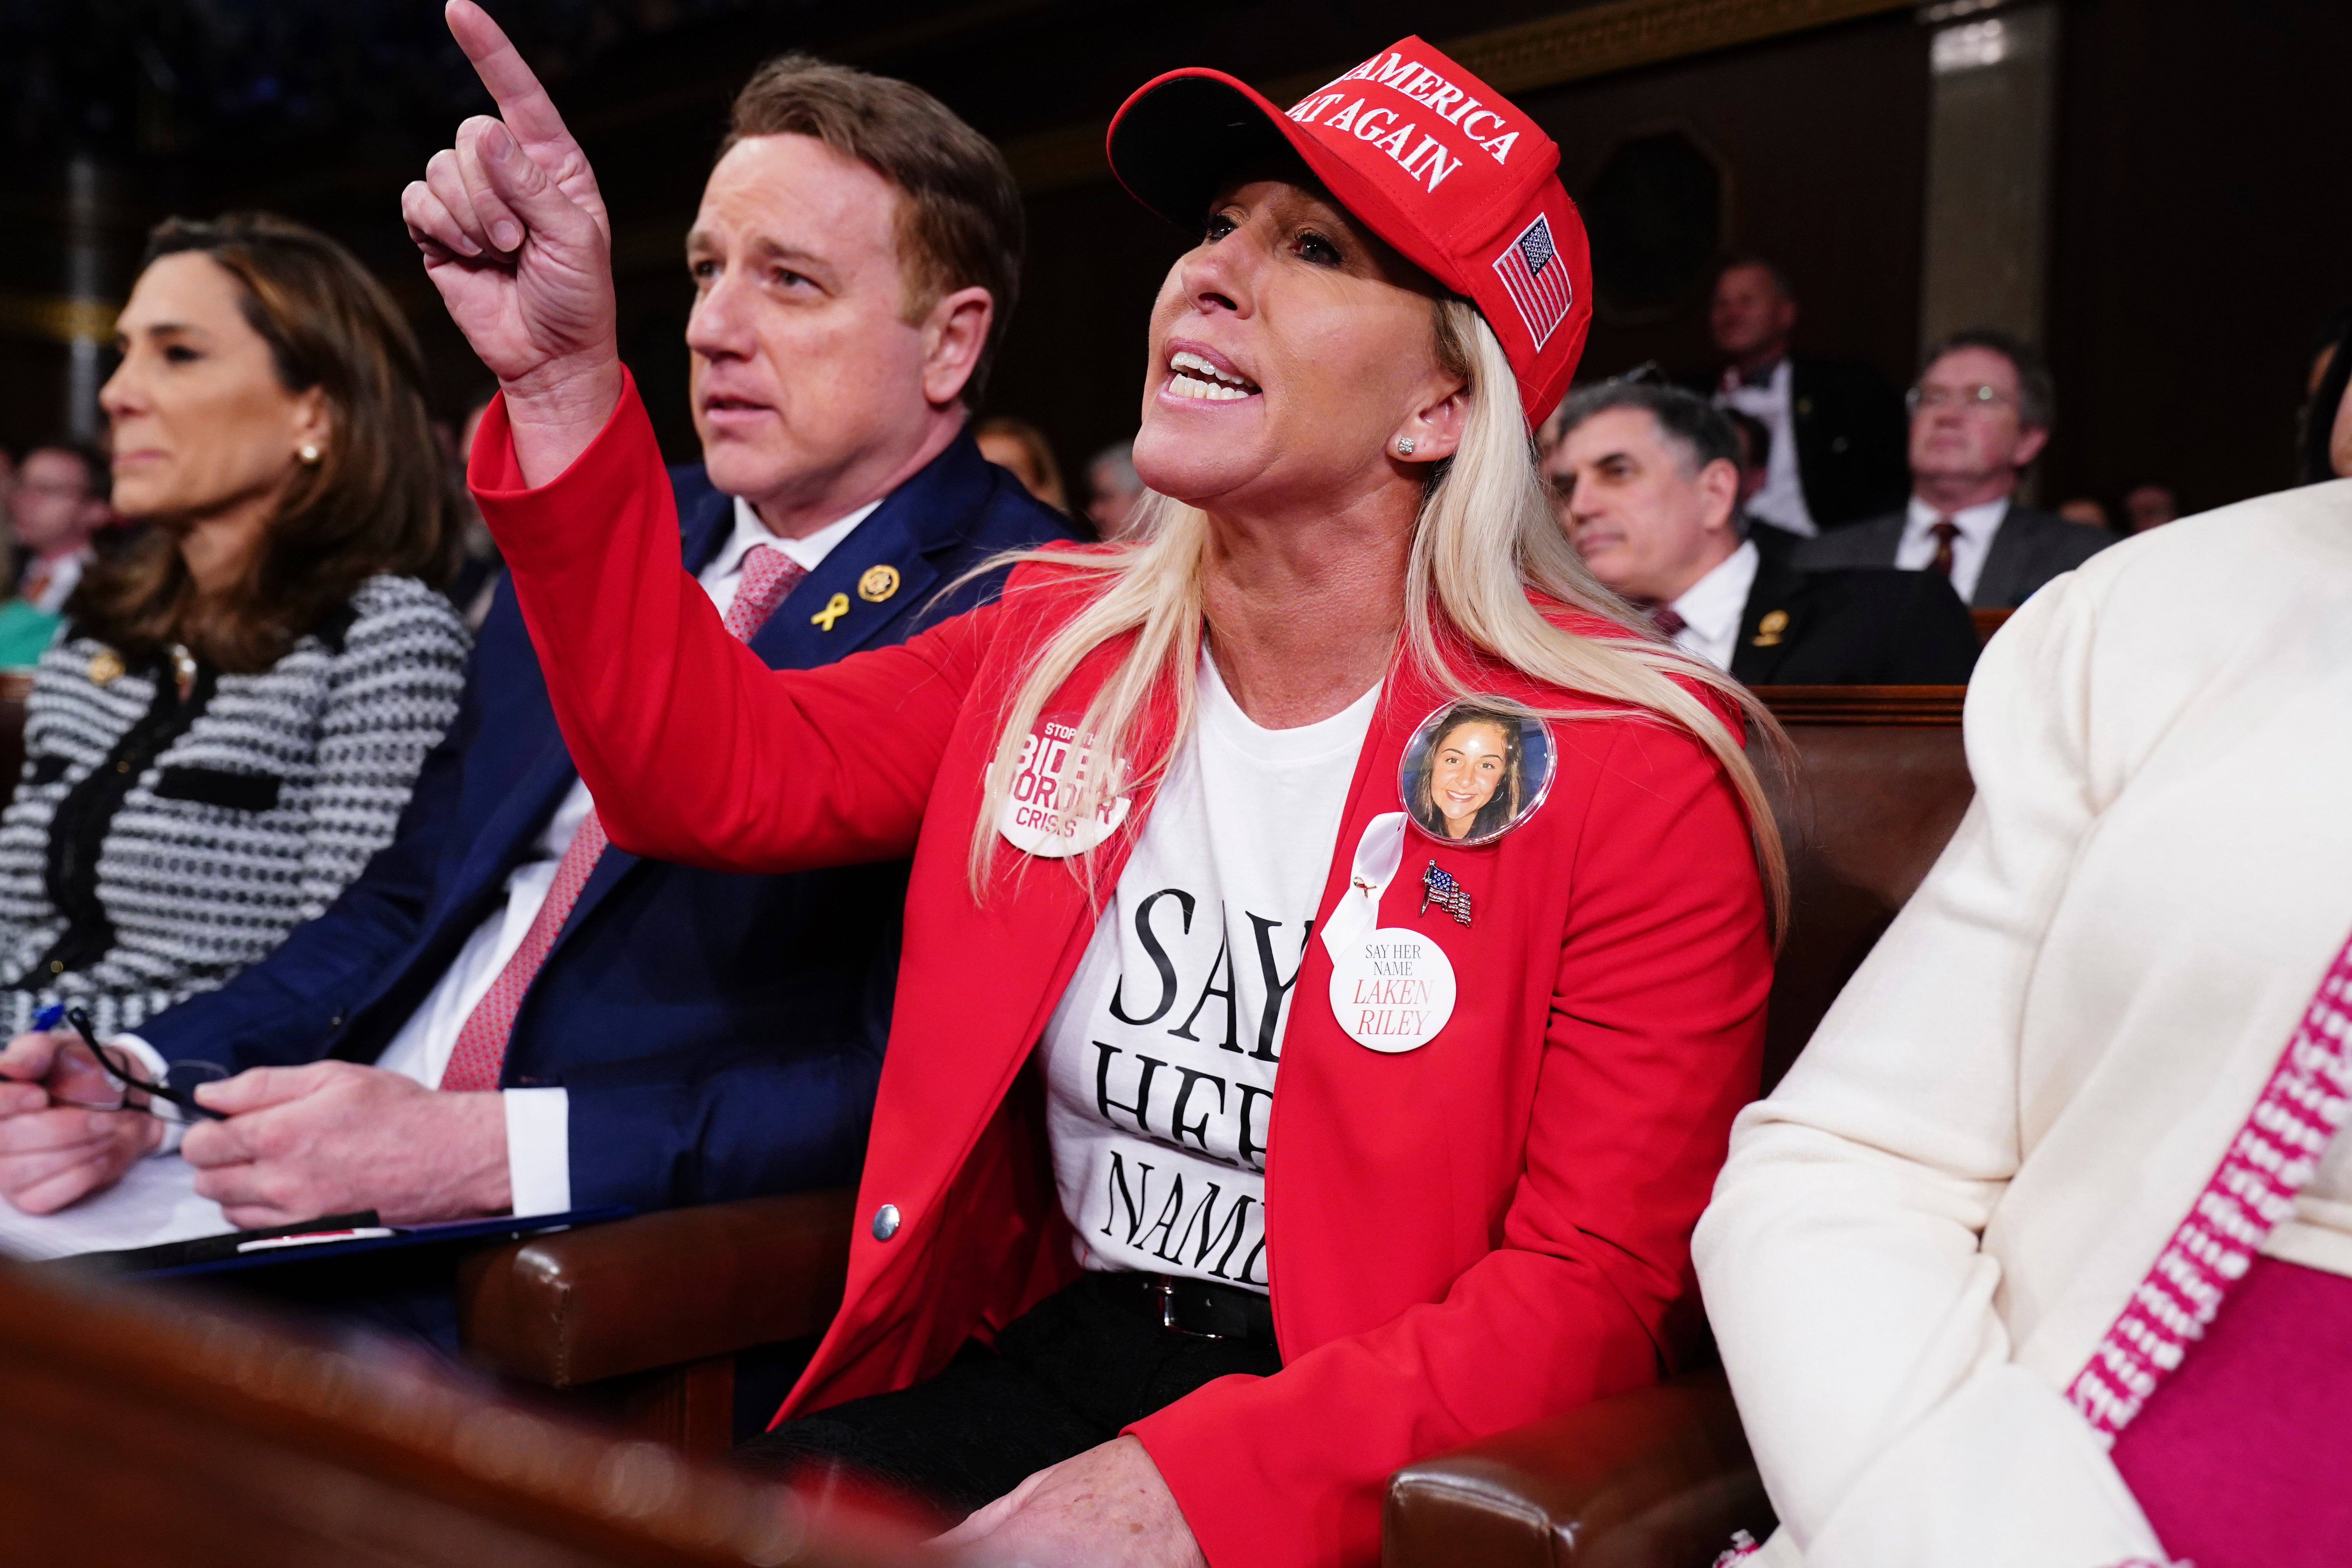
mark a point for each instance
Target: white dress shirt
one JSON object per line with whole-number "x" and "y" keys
{"x": 539, "y": 1150}
{"x": 1976, "y": 524}
{"x": 1782, "y": 502}
{"x": 1711, "y": 607}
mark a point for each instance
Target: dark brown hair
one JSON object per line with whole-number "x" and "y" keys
{"x": 960, "y": 223}
{"x": 1039, "y": 451}
{"x": 379, "y": 500}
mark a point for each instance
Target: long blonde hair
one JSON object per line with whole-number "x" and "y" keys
{"x": 1486, "y": 537}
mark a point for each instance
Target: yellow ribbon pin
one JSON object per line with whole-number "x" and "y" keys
{"x": 835, "y": 608}
{"x": 1769, "y": 629}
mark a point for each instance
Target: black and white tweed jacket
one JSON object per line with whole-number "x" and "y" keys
{"x": 157, "y": 846}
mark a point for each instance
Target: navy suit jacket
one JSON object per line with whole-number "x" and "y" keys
{"x": 718, "y": 1036}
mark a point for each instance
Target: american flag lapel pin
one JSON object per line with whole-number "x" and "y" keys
{"x": 1440, "y": 889}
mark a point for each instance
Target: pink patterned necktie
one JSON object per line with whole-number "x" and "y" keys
{"x": 479, "y": 1057}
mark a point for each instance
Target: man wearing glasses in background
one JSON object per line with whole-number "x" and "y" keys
{"x": 1980, "y": 413}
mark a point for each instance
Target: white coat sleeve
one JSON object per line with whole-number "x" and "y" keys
{"x": 1840, "y": 1259}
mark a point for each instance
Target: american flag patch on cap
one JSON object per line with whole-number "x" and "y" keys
{"x": 1539, "y": 289}
{"x": 1437, "y": 888}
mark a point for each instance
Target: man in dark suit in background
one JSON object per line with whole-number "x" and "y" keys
{"x": 1979, "y": 416}
{"x": 1836, "y": 426}
{"x": 1648, "y": 480}
{"x": 503, "y": 1013}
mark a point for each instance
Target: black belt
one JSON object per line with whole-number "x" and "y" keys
{"x": 1200, "y": 1307}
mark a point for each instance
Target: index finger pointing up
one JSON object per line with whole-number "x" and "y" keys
{"x": 522, "y": 102}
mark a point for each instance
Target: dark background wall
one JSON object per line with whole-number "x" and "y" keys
{"x": 2203, "y": 233}
{"x": 1840, "y": 207}
{"x": 1824, "y": 178}
{"x": 2198, "y": 236}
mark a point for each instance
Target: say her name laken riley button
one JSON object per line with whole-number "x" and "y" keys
{"x": 1391, "y": 990}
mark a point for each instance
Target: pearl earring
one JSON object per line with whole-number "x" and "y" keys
{"x": 1404, "y": 446}
{"x": 308, "y": 452}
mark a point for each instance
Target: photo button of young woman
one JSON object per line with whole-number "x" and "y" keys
{"x": 1475, "y": 769}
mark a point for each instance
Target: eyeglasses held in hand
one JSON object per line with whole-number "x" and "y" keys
{"x": 138, "y": 1092}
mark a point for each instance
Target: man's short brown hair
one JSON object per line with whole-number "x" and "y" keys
{"x": 960, "y": 223}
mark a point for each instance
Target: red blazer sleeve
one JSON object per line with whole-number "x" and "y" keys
{"x": 695, "y": 751}
{"x": 1653, "y": 1043}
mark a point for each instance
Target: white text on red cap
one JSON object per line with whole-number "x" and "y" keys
{"x": 1429, "y": 160}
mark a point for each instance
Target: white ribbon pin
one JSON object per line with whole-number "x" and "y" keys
{"x": 1391, "y": 989}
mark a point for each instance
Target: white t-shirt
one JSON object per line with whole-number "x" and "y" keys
{"x": 1159, "y": 1060}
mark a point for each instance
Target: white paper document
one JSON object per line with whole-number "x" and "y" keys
{"x": 155, "y": 1202}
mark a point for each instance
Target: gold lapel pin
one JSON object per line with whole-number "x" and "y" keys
{"x": 835, "y": 608}
{"x": 879, "y": 583}
{"x": 105, "y": 667}
{"x": 1769, "y": 629}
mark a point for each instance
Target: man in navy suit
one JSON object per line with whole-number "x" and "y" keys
{"x": 504, "y": 1014}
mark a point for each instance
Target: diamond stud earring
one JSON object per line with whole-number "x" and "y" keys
{"x": 1404, "y": 446}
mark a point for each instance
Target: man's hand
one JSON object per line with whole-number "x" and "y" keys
{"x": 51, "y": 1154}
{"x": 1108, "y": 1507}
{"x": 335, "y": 1137}
{"x": 515, "y": 236}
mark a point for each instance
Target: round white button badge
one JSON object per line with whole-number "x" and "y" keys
{"x": 1391, "y": 990}
{"x": 1051, "y": 815}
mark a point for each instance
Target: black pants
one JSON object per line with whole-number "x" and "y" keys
{"x": 1065, "y": 1376}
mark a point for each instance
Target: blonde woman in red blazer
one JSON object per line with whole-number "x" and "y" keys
{"x": 1477, "y": 1207}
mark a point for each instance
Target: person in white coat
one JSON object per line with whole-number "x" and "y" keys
{"x": 2041, "y": 1254}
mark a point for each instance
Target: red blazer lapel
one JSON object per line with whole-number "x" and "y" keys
{"x": 945, "y": 1141}
{"x": 1364, "y": 1143}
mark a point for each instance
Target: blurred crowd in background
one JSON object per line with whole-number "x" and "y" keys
{"x": 1826, "y": 446}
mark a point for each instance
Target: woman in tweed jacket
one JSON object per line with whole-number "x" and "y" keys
{"x": 234, "y": 715}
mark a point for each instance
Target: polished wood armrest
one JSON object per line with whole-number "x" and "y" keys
{"x": 149, "y": 1423}
{"x": 1659, "y": 1478}
{"x": 658, "y": 1290}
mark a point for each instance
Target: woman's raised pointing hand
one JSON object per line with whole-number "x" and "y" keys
{"x": 515, "y": 236}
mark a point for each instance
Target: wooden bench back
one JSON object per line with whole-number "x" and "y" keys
{"x": 1883, "y": 782}
{"x": 140, "y": 1428}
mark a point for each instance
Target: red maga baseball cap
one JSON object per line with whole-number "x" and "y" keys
{"x": 1430, "y": 158}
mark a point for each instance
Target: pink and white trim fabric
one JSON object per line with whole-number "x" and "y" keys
{"x": 2253, "y": 1190}
{"x": 1743, "y": 1546}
